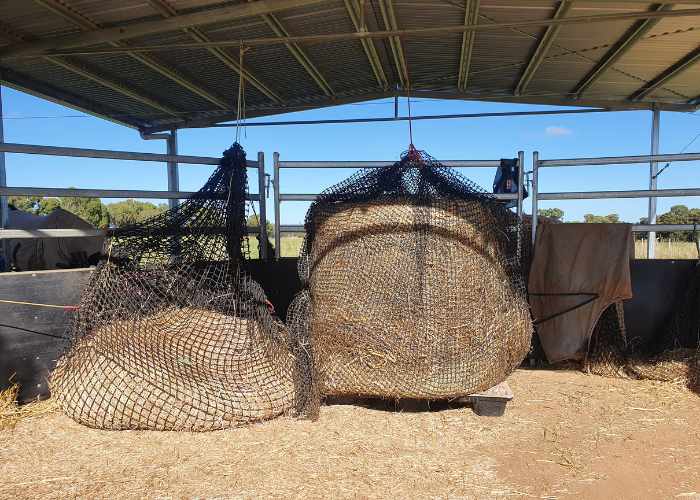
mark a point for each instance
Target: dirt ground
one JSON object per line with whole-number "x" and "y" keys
{"x": 565, "y": 435}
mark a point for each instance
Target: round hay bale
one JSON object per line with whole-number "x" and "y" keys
{"x": 180, "y": 369}
{"x": 412, "y": 300}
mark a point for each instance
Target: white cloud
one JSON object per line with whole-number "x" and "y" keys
{"x": 558, "y": 131}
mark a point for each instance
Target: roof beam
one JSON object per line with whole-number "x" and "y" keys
{"x": 471, "y": 17}
{"x": 546, "y": 42}
{"x": 145, "y": 59}
{"x": 421, "y": 94}
{"x": 41, "y": 90}
{"x": 622, "y": 48}
{"x": 110, "y": 83}
{"x": 198, "y": 35}
{"x": 296, "y": 51}
{"x": 367, "y": 43}
{"x": 137, "y": 29}
{"x": 396, "y": 47}
{"x": 74, "y": 67}
{"x": 690, "y": 60}
{"x": 332, "y": 38}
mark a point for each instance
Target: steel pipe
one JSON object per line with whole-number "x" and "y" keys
{"x": 382, "y": 164}
{"x": 101, "y": 193}
{"x": 109, "y": 155}
{"x": 618, "y": 160}
{"x": 595, "y": 195}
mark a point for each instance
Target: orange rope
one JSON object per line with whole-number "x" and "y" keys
{"x": 70, "y": 308}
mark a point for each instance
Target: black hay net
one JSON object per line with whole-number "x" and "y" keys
{"x": 676, "y": 357}
{"x": 414, "y": 286}
{"x": 172, "y": 333}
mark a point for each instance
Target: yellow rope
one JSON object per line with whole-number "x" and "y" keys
{"x": 33, "y": 304}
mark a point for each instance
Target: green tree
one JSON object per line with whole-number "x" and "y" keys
{"x": 254, "y": 221}
{"x": 25, "y": 203}
{"x": 600, "y": 219}
{"x": 679, "y": 214}
{"x": 129, "y": 212}
{"x": 148, "y": 213}
{"x": 48, "y": 205}
{"x": 91, "y": 210}
{"x": 555, "y": 214}
{"x": 163, "y": 207}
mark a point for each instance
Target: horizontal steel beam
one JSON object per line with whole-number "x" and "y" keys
{"x": 412, "y": 118}
{"x": 595, "y": 195}
{"x": 645, "y": 228}
{"x": 615, "y": 160}
{"x": 312, "y": 197}
{"x": 608, "y": 105}
{"x": 51, "y": 46}
{"x": 102, "y": 193}
{"x": 296, "y": 228}
{"x": 23, "y": 234}
{"x": 109, "y": 155}
{"x": 381, "y": 164}
{"x": 20, "y": 234}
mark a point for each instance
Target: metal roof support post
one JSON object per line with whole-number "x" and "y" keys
{"x": 262, "y": 221}
{"x": 173, "y": 173}
{"x": 4, "y": 210}
{"x": 535, "y": 172}
{"x": 276, "y": 185}
{"x": 521, "y": 177}
{"x": 653, "y": 172}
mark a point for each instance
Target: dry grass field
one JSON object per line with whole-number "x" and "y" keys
{"x": 290, "y": 246}
{"x": 566, "y": 435}
{"x": 664, "y": 250}
{"x": 667, "y": 250}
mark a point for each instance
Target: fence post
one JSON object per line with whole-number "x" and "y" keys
{"x": 276, "y": 185}
{"x": 653, "y": 172}
{"x": 535, "y": 173}
{"x": 263, "y": 206}
{"x": 173, "y": 173}
{"x": 521, "y": 179}
{"x": 4, "y": 209}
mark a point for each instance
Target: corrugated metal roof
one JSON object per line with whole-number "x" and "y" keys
{"x": 198, "y": 87}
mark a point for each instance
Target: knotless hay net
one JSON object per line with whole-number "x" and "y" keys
{"x": 414, "y": 285}
{"x": 172, "y": 333}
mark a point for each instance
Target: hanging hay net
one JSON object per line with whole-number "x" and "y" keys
{"x": 676, "y": 358}
{"x": 414, "y": 285}
{"x": 172, "y": 333}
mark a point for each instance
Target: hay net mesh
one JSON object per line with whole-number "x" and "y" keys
{"x": 413, "y": 286}
{"x": 172, "y": 333}
{"x": 675, "y": 358}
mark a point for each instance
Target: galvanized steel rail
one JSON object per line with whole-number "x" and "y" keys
{"x": 114, "y": 193}
{"x": 612, "y": 160}
{"x": 280, "y": 197}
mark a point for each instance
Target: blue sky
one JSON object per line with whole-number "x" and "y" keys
{"x": 29, "y": 120}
